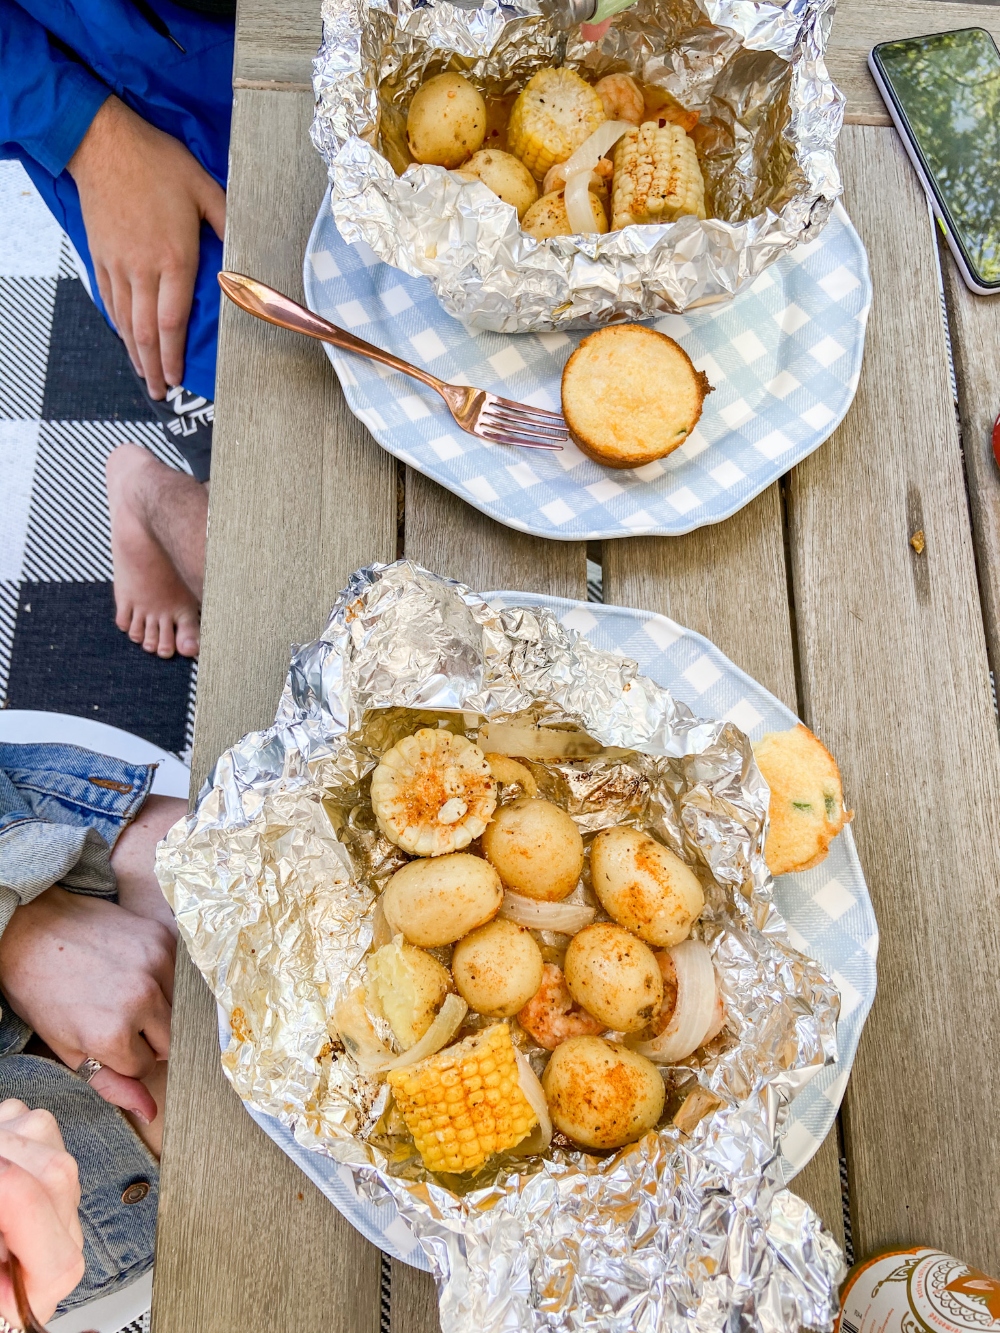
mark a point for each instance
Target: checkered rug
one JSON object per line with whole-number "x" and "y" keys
{"x": 67, "y": 397}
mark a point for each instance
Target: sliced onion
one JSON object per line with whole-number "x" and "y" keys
{"x": 440, "y": 1032}
{"x": 595, "y": 146}
{"x": 579, "y": 209}
{"x": 535, "y": 1094}
{"x": 565, "y": 918}
{"x": 718, "y": 1020}
{"x": 694, "y": 1012}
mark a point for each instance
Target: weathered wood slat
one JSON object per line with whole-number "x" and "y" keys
{"x": 277, "y": 42}
{"x": 446, "y": 535}
{"x": 729, "y": 582}
{"x": 246, "y": 1244}
{"x": 895, "y": 679}
{"x": 450, "y": 537}
{"x": 858, "y": 25}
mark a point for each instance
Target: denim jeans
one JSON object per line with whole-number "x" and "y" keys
{"x": 61, "y": 812}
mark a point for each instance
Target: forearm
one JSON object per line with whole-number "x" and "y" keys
{"x": 47, "y": 100}
{"x": 35, "y": 854}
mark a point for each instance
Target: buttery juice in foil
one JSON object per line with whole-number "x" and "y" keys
{"x": 754, "y": 70}
{"x": 274, "y": 880}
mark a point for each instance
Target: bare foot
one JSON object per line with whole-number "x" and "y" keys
{"x": 154, "y": 605}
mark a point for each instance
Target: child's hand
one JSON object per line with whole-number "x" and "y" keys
{"x": 144, "y": 197}
{"x": 39, "y": 1197}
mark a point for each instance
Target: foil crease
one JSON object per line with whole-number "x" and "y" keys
{"x": 754, "y": 69}
{"x": 274, "y": 880}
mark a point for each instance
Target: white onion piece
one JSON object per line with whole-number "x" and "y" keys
{"x": 718, "y": 1020}
{"x": 566, "y": 918}
{"x": 595, "y": 147}
{"x": 695, "y": 1009}
{"x": 535, "y": 1094}
{"x": 440, "y": 1032}
{"x": 579, "y": 209}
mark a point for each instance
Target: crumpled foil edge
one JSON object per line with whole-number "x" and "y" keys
{"x": 673, "y": 1232}
{"x": 484, "y": 269}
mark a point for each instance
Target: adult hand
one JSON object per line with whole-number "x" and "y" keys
{"x": 93, "y": 980}
{"x": 39, "y": 1222}
{"x": 143, "y": 198}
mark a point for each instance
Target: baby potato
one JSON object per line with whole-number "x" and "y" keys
{"x": 548, "y": 217}
{"x": 536, "y": 848}
{"x": 601, "y": 1094}
{"x": 644, "y": 886}
{"x": 614, "y": 976}
{"x": 446, "y": 121}
{"x": 408, "y": 986}
{"x": 506, "y": 176}
{"x": 497, "y": 968}
{"x": 437, "y": 901}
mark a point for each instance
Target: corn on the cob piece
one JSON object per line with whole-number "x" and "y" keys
{"x": 433, "y": 793}
{"x": 555, "y": 111}
{"x": 657, "y": 177}
{"x": 465, "y": 1103}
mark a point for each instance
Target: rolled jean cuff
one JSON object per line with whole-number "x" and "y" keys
{"x": 9, "y": 902}
{"x": 35, "y": 854}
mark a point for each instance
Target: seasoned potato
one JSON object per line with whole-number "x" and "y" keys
{"x": 644, "y": 886}
{"x": 614, "y": 976}
{"x": 505, "y": 176}
{"x": 497, "y": 968}
{"x": 446, "y": 121}
{"x": 536, "y": 848}
{"x": 408, "y": 986}
{"x": 438, "y": 901}
{"x": 601, "y": 1094}
{"x": 548, "y": 216}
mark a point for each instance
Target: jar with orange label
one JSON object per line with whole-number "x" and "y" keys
{"x": 918, "y": 1291}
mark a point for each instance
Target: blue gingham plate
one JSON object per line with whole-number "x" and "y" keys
{"x": 827, "y": 910}
{"x": 784, "y": 358}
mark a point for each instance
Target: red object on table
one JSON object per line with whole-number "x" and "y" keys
{"x": 996, "y": 440}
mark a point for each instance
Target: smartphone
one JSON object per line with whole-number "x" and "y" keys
{"x": 943, "y": 93}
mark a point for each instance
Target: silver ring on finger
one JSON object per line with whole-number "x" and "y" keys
{"x": 88, "y": 1069}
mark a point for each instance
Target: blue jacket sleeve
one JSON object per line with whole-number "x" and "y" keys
{"x": 47, "y": 99}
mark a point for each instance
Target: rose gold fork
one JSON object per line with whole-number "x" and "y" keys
{"x": 476, "y": 411}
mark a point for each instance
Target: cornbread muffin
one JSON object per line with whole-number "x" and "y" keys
{"x": 631, "y": 395}
{"x": 807, "y": 800}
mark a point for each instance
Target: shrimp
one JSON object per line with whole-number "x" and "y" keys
{"x": 552, "y": 1016}
{"x": 622, "y": 98}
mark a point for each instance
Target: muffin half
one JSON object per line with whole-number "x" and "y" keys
{"x": 631, "y": 395}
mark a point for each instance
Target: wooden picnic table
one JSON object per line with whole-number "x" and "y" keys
{"x": 814, "y": 588}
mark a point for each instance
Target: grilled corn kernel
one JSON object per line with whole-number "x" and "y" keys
{"x": 657, "y": 177}
{"x": 465, "y": 1103}
{"x": 555, "y": 111}
{"x": 433, "y": 793}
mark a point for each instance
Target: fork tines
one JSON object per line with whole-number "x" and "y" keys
{"x": 506, "y": 422}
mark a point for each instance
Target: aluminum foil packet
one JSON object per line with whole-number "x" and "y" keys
{"x": 753, "y": 69}
{"x": 274, "y": 881}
